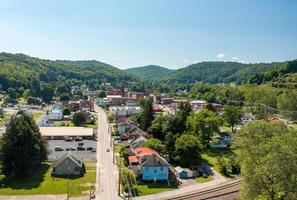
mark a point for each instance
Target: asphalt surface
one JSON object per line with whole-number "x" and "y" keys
{"x": 84, "y": 155}
{"x": 106, "y": 171}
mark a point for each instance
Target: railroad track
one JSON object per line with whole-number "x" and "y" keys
{"x": 229, "y": 188}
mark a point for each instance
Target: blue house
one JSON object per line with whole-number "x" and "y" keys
{"x": 154, "y": 168}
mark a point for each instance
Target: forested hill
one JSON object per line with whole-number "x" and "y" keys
{"x": 219, "y": 72}
{"x": 149, "y": 72}
{"x": 39, "y": 76}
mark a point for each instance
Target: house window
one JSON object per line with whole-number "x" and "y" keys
{"x": 161, "y": 169}
{"x": 155, "y": 171}
{"x": 146, "y": 169}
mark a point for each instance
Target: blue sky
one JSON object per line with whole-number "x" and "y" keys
{"x": 170, "y": 33}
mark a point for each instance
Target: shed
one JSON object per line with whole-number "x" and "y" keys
{"x": 183, "y": 173}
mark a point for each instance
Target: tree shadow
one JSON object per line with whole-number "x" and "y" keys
{"x": 29, "y": 182}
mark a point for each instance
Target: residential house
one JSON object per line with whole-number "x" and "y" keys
{"x": 138, "y": 142}
{"x": 68, "y": 165}
{"x": 45, "y": 122}
{"x": 74, "y": 106}
{"x": 183, "y": 173}
{"x": 120, "y": 111}
{"x": 125, "y": 126}
{"x": 224, "y": 140}
{"x": 198, "y": 104}
{"x": 117, "y": 100}
{"x": 55, "y": 114}
{"x": 152, "y": 167}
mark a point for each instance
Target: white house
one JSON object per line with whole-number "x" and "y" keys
{"x": 138, "y": 142}
{"x": 45, "y": 122}
{"x": 55, "y": 114}
{"x": 124, "y": 110}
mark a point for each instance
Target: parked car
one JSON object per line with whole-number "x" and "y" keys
{"x": 68, "y": 139}
{"x": 108, "y": 150}
{"x": 58, "y": 148}
{"x": 89, "y": 148}
{"x": 81, "y": 143}
{"x": 78, "y": 139}
{"x": 70, "y": 148}
{"x": 80, "y": 149}
{"x": 93, "y": 150}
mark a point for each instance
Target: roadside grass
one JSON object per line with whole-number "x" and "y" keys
{"x": 204, "y": 180}
{"x": 41, "y": 182}
{"x": 211, "y": 156}
{"x": 153, "y": 188}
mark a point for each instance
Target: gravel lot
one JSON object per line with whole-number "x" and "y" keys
{"x": 85, "y": 155}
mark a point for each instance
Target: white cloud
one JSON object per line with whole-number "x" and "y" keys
{"x": 118, "y": 58}
{"x": 196, "y": 61}
{"x": 221, "y": 55}
{"x": 234, "y": 58}
{"x": 186, "y": 60}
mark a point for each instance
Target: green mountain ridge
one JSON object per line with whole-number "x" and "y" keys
{"x": 149, "y": 72}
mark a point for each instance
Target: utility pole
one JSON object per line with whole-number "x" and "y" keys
{"x": 68, "y": 189}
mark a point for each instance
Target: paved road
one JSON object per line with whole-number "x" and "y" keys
{"x": 106, "y": 171}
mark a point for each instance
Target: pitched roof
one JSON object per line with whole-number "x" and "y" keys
{"x": 76, "y": 160}
{"x": 133, "y": 159}
{"x": 142, "y": 151}
{"x": 153, "y": 160}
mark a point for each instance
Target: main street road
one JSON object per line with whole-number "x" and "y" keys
{"x": 106, "y": 176}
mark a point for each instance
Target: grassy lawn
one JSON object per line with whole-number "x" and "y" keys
{"x": 153, "y": 188}
{"x": 7, "y": 116}
{"x": 36, "y": 115}
{"x": 204, "y": 180}
{"x": 42, "y": 183}
{"x": 64, "y": 123}
{"x": 95, "y": 125}
{"x": 211, "y": 155}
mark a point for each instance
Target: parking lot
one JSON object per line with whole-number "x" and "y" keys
{"x": 86, "y": 155}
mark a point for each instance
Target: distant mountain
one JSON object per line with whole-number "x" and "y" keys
{"x": 24, "y": 72}
{"x": 219, "y": 72}
{"x": 149, "y": 72}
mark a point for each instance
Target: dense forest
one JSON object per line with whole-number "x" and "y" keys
{"x": 21, "y": 74}
{"x": 149, "y": 72}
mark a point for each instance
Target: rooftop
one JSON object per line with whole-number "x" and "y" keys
{"x": 66, "y": 131}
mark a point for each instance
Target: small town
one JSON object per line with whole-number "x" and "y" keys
{"x": 148, "y": 100}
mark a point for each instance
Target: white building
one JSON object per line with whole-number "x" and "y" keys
{"x": 124, "y": 110}
{"x": 45, "y": 122}
{"x": 55, "y": 114}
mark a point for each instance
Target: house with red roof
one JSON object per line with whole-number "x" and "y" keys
{"x": 150, "y": 166}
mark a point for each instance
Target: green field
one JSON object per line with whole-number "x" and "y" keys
{"x": 41, "y": 182}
